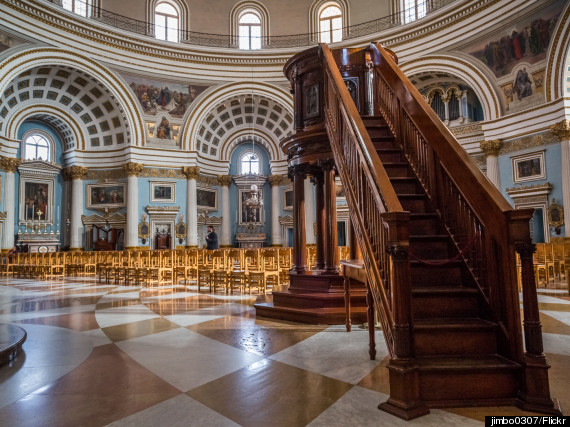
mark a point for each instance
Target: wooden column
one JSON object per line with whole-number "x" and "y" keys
{"x": 299, "y": 245}
{"x": 317, "y": 180}
{"x": 331, "y": 233}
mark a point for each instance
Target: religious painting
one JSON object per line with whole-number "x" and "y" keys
{"x": 158, "y": 97}
{"x": 162, "y": 192}
{"x": 526, "y": 40}
{"x": 287, "y": 199}
{"x": 529, "y": 167}
{"x": 249, "y": 215}
{"x": 311, "y": 101}
{"x": 106, "y": 195}
{"x": 207, "y": 199}
{"x": 36, "y": 201}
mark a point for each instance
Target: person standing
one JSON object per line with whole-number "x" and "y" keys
{"x": 211, "y": 238}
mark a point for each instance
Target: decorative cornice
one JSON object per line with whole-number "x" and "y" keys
{"x": 191, "y": 172}
{"x": 224, "y": 180}
{"x": 162, "y": 173}
{"x": 538, "y": 140}
{"x": 75, "y": 172}
{"x": 491, "y": 148}
{"x": 467, "y": 129}
{"x": 133, "y": 169}
{"x": 561, "y": 130}
{"x": 524, "y": 190}
{"x": 9, "y": 164}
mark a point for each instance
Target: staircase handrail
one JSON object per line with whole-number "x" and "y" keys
{"x": 471, "y": 207}
{"x": 380, "y": 223}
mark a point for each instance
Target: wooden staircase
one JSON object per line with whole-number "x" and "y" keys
{"x": 455, "y": 343}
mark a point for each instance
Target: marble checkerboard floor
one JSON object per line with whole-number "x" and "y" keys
{"x": 102, "y": 354}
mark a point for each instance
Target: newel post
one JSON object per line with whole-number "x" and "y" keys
{"x": 404, "y": 400}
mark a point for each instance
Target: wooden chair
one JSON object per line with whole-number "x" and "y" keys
{"x": 256, "y": 279}
{"x": 270, "y": 263}
{"x": 204, "y": 277}
{"x": 559, "y": 260}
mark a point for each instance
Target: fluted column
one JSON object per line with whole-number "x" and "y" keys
{"x": 275, "y": 181}
{"x": 226, "y": 238}
{"x": 562, "y": 131}
{"x": 132, "y": 170}
{"x": 299, "y": 245}
{"x": 318, "y": 181}
{"x": 309, "y": 212}
{"x": 332, "y": 261}
{"x": 76, "y": 174}
{"x": 9, "y": 165}
{"x": 491, "y": 150}
{"x": 192, "y": 173}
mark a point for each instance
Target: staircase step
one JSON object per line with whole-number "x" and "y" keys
{"x": 318, "y": 299}
{"x": 422, "y": 224}
{"x": 389, "y": 155}
{"x": 398, "y": 169}
{"x": 429, "y": 247}
{"x": 465, "y": 381}
{"x": 323, "y": 316}
{"x": 444, "y": 301}
{"x": 424, "y": 275}
{"x": 406, "y": 185}
{"x": 413, "y": 202}
{"x": 448, "y": 336}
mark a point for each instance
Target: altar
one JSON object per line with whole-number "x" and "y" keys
{"x": 250, "y": 240}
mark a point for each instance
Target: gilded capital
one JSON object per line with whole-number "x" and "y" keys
{"x": 191, "y": 172}
{"x": 561, "y": 130}
{"x": 10, "y": 164}
{"x": 491, "y": 148}
{"x": 275, "y": 180}
{"x": 224, "y": 180}
{"x": 133, "y": 169}
{"x": 75, "y": 172}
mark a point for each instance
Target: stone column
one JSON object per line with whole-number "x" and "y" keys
{"x": 299, "y": 245}
{"x": 318, "y": 181}
{"x": 225, "y": 181}
{"x": 275, "y": 181}
{"x": 132, "y": 170}
{"x": 192, "y": 173}
{"x": 76, "y": 174}
{"x": 491, "y": 150}
{"x": 309, "y": 212}
{"x": 9, "y": 165}
{"x": 562, "y": 131}
{"x": 332, "y": 261}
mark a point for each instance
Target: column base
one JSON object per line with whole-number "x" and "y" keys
{"x": 75, "y": 249}
{"x": 191, "y": 247}
{"x": 278, "y": 245}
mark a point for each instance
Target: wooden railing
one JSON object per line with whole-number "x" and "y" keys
{"x": 379, "y": 221}
{"x": 474, "y": 212}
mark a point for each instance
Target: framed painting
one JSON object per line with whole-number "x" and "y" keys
{"x": 287, "y": 199}
{"x": 249, "y": 215}
{"x": 36, "y": 200}
{"x": 163, "y": 192}
{"x": 207, "y": 199}
{"x": 106, "y": 195}
{"x": 529, "y": 167}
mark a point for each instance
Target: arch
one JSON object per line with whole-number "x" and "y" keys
{"x": 558, "y": 64}
{"x": 315, "y": 12}
{"x": 243, "y": 7}
{"x": 183, "y": 16}
{"x": 475, "y": 78}
{"x": 28, "y": 59}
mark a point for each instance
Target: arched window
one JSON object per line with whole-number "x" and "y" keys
{"x": 414, "y": 9}
{"x": 249, "y": 164}
{"x": 81, "y": 7}
{"x": 330, "y": 25}
{"x": 166, "y": 22}
{"x": 37, "y": 146}
{"x": 249, "y": 31}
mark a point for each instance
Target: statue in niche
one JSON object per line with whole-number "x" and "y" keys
{"x": 163, "y": 131}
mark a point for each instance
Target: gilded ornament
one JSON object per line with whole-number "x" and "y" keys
{"x": 75, "y": 172}
{"x": 133, "y": 169}
{"x": 191, "y": 172}
{"x": 561, "y": 130}
{"x": 275, "y": 180}
{"x": 491, "y": 148}
{"x": 10, "y": 164}
{"x": 224, "y": 180}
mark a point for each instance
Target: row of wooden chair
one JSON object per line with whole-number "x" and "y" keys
{"x": 549, "y": 261}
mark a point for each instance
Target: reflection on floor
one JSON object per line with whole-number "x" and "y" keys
{"x": 102, "y": 354}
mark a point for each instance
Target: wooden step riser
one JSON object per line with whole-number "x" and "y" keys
{"x": 407, "y": 187}
{"x": 378, "y": 131}
{"x": 437, "y": 342}
{"x": 397, "y": 171}
{"x": 423, "y": 226}
{"x": 437, "y": 386}
{"x": 305, "y": 300}
{"x": 429, "y": 250}
{"x": 427, "y": 275}
{"x": 415, "y": 205}
{"x": 444, "y": 306}
{"x": 390, "y": 156}
{"x": 313, "y": 316}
